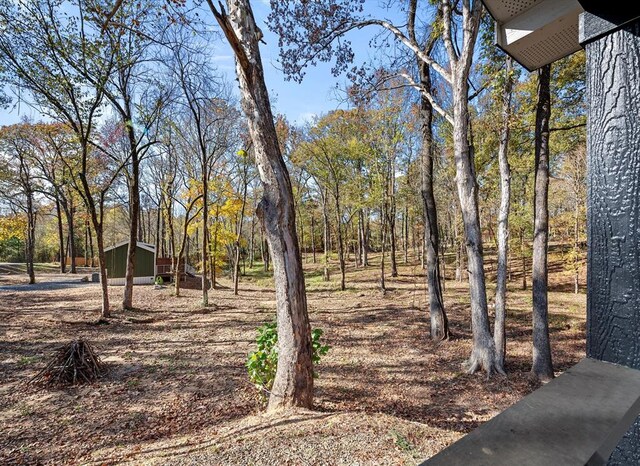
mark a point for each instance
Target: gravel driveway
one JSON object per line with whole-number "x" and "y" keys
{"x": 50, "y": 282}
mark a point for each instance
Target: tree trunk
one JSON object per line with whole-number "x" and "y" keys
{"x": 69, "y": 211}
{"x": 503, "y": 220}
{"x": 392, "y": 226}
{"x": 325, "y": 238}
{"x": 443, "y": 261}
{"x": 214, "y": 265}
{"x": 383, "y": 285}
{"x": 483, "y": 351}
{"x": 31, "y": 238}
{"x": 340, "y": 240}
{"x": 365, "y": 244}
{"x": 205, "y": 230}
{"x": 134, "y": 211}
{"x": 523, "y": 261}
{"x": 313, "y": 238}
{"x": 86, "y": 243}
{"x": 438, "y": 316}
{"x": 91, "y": 251}
{"x": 405, "y": 240}
{"x": 576, "y": 248}
{"x": 63, "y": 262}
{"x": 251, "y": 244}
{"x": 542, "y": 367}
{"x": 293, "y": 384}
{"x": 236, "y": 262}
{"x": 302, "y": 247}
{"x": 106, "y": 312}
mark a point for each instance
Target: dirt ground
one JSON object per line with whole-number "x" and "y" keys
{"x": 177, "y": 391}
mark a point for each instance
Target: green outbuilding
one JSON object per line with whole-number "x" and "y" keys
{"x": 144, "y": 272}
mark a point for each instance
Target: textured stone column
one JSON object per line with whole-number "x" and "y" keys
{"x": 613, "y": 218}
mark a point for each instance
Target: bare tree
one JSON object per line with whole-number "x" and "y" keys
{"x": 210, "y": 126}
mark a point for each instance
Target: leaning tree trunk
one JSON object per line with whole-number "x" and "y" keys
{"x": 503, "y": 219}
{"x": 483, "y": 351}
{"x": 293, "y": 384}
{"x": 542, "y": 367}
{"x": 438, "y": 316}
{"x": 106, "y": 312}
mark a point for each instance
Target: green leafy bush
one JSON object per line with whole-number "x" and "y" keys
{"x": 263, "y": 362}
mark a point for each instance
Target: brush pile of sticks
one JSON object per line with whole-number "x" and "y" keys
{"x": 74, "y": 363}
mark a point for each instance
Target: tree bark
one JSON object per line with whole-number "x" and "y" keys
{"x": 438, "y": 316}
{"x": 293, "y": 384}
{"x": 542, "y": 367}
{"x": 503, "y": 220}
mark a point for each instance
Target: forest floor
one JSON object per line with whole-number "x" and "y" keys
{"x": 177, "y": 391}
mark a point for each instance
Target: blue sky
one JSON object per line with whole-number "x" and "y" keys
{"x": 298, "y": 102}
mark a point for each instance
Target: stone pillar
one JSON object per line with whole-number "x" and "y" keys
{"x": 613, "y": 217}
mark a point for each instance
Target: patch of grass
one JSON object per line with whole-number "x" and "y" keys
{"x": 133, "y": 383}
{"x": 25, "y": 410}
{"x": 403, "y": 443}
{"x": 28, "y": 360}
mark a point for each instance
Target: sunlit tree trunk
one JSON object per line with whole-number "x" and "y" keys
{"x": 293, "y": 384}
{"x": 483, "y": 354}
